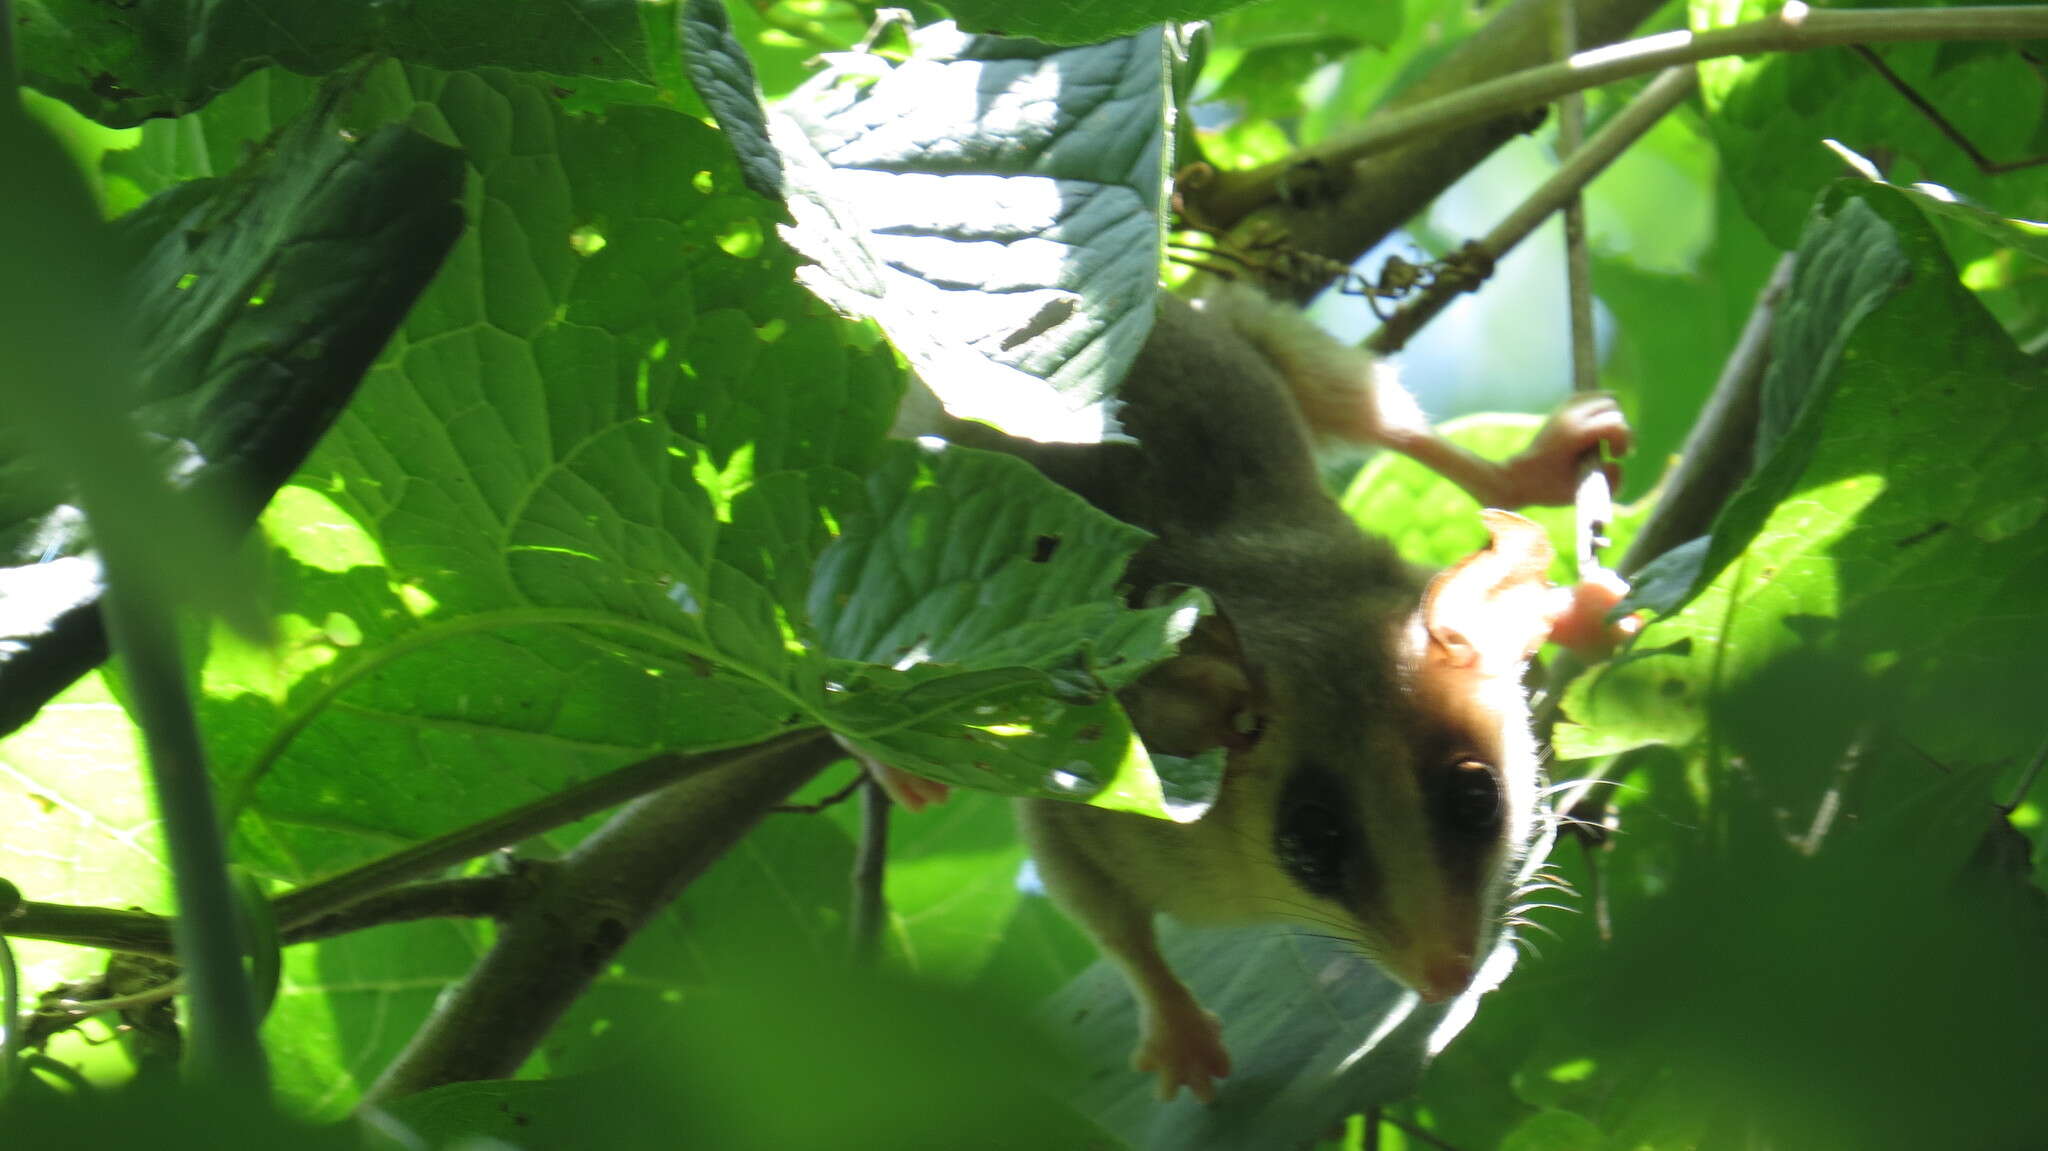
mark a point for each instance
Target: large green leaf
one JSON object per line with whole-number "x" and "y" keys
{"x": 257, "y": 303}
{"x": 80, "y": 826}
{"x": 572, "y": 518}
{"x": 995, "y": 205}
{"x": 569, "y": 520}
{"x": 1894, "y": 536}
{"x": 123, "y": 64}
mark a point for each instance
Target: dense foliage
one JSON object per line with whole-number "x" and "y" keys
{"x": 541, "y": 359}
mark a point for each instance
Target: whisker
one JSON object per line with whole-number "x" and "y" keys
{"x": 1520, "y": 908}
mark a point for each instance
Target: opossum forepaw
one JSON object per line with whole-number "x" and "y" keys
{"x": 1184, "y": 1048}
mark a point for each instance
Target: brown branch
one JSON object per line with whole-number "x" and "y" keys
{"x": 475, "y": 897}
{"x": 870, "y": 864}
{"x": 107, "y": 928}
{"x": 1377, "y": 194}
{"x": 860, "y": 776}
{"x": 603, "y": 892}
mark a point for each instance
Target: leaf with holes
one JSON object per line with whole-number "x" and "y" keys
{"x": 995, "y": 205}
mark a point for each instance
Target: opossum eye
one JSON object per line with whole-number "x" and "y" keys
{"x": 1312, "y": 836}
{"x": 1467, "y": 799}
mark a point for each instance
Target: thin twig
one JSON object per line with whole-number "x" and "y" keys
{"x": 544, "y": 814}
{"x": 472, "y": 897}
{"x": 1956, "y": 136}
{"x": 1594, "y": 503}
{"x": 830, "y": 801}
{"x": 870, "y": 864}
{"x": 1577, "y": 170}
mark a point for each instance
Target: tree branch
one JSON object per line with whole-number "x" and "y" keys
{"x": 303, "y": 912}
{"x": 1376, "y": 196}
{"x": 1795, "y": 28}
{"x": 603, "y": 892}
{"x": 473, "y": 897}
{"x": 1391, "y": 167}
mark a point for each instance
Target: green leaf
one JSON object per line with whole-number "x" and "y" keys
{"x": 562, "y": 527}
{"x": 724, "y": 77}
{"x": 565, "y": 526}
{"x": 992, "y": 594}
{"x": 1265, "y": 53}
{"x": 80, "y": 825}
{"x": 157, "y": 58}
{"x": 1898, "y": 529}
{"x": 995, "y": 206}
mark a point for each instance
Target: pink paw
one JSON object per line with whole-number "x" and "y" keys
{"x": 1580, "y": 625}
{"x": 912, "y": 793}
{"x": 1546, "y": 473}
{"x": 1184, "y": 1047}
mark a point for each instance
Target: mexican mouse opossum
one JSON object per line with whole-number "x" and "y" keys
{"x": 1381, "y": 781}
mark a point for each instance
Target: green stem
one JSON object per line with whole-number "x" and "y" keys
{"x": 10, "y": 988}
{"x": 225, "y": 1050}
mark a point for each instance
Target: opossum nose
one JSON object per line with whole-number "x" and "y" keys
{"x": 1444, "y": 976}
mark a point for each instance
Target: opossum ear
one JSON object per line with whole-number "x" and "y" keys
{"x": 1494, "y": 608}
{"x": 1202, "y": 698}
